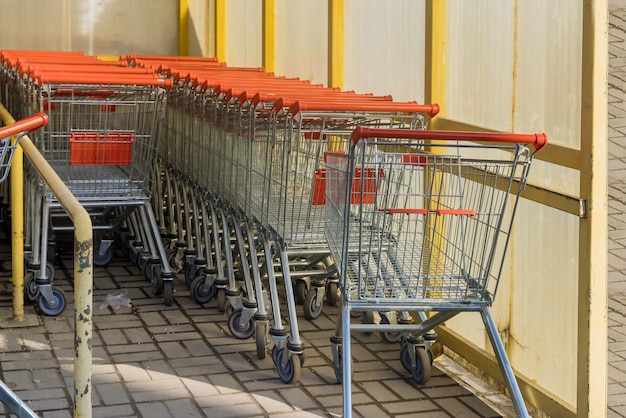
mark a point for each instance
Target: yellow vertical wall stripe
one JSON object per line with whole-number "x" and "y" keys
{"x": 269, "y": 35}
{"x": 220, "y": 30}
{"x": 435, "y": 71}
{"x": 592, "y": 259}
{"x": 335, "y": 43}
{"x": 183, "y": 27}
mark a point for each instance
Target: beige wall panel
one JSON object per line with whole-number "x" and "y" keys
{"x": 480, "y": 62}
{"x": 111, "y": 27}
{"x": 34, "y": 24}
{"x": 544, "y": 298}
{"x": 244, "y": 35}
{"x": 302, "y": 39}
{"x": 548, "y": 82}
{"x": 535, "y": 307}
{"x": 201, "y": 28}
{"x": 97, "y": 27}
{"x": 384, "y": 49}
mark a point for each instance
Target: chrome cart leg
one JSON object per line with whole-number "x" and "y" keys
{"x": 503, "y": 362}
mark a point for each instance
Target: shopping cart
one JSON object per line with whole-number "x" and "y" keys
{"x": 419, "y": 221}
{"x": 101, "y": 141}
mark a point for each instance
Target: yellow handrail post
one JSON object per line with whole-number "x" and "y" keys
{"x": 17, "y": 231}
{"x": 83, "y": 271}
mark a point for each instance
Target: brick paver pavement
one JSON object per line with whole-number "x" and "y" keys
{"x": 154, "y": 361}
{"x": 616, "y": 402}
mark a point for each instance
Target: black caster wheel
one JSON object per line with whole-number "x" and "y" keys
{"x": 102, "y": 260}
{"x": 240, "y": 331}
{"x": 200, "y": 292}
{"x": 53, "y": 307}
{"x": 422, "y": 370}
{"x": 290, "y": 372}
{"x": 312, "y": 309}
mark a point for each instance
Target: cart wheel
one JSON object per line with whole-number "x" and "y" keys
{"x": 261, "y": 341}
{"x": 174, "y": 265}
{"x": 367, "y": 318}
{"x": 338, "y": 366}
{"x": 404, "y": 357}
{"x": 331, "y": 294}
{"x": 102, "y": 260}
{"x": 389, "y": 336}
{"x": 55, "y": 307}
{"x": 300, "y": 292}
{"x": 142, "y": 261}
{"x": 125, "y": 247}
{"x": 422, "y": 370}
{"x": 201, "y": 293}
{"x": 156, "y": 282}
{"x": 238, "y": 330}
{"x": 312, "y": 309}
{"x": 50, "y": 271}
{"x": 30, "y": 287}
{"x": 190, "y": 274}
{"x": 275, "y": 352}
{"x": 221, "y": 300}
{"x": 168, "y": 292}
{"x": 290, "y": 373}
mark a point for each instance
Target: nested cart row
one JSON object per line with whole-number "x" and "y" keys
{"x": 101, "y": 140}
{"x": 264, "y": 192}
{"x": 243, "y": 184}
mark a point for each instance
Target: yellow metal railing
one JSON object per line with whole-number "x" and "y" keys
{"x": 83, "y": 251}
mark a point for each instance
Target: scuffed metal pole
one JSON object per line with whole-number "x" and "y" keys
{"x": 83, "y": 309}
{"x": 83, "y": 272}
{"x": 16, "y": 184}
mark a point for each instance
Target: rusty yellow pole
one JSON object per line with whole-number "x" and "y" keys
{"x": 83, "y": 272}
{"x": 17, "y": 230}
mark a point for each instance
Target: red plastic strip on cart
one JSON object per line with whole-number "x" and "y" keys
{"x": 382, "y": 106}
{"x": 538, "y": 140}
{"x": 415, "y": 211}
{"x": 419, "y": 160}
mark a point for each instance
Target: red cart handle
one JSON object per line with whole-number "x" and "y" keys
{"x": 537, "y": 140}
{"x": 28, "y": 124}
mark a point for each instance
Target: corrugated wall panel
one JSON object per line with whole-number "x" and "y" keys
{"x": 544, "y": 298}
{"x": 302, "y": 39}
{"x": 244, "y": 33}
{"x": 201, "y": 38}
{"x": 382, "y": 55}
{"x": 479, "y": 62}
{"x": 102, "y": 27}
{"x": 548, "y": 81}
{"x": 507, "y": 80}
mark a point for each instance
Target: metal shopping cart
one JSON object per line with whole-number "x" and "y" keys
{"x": 418, "y": 225}
{"x": 101, "y": 140}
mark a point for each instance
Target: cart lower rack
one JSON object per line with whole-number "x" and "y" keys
{"x": 421, "y": 226}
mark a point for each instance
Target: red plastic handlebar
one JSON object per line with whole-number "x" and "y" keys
{"x": 537, "y": 140}
{"x": 28, "y": 124}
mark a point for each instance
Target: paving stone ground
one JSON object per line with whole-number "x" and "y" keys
{"x": 616, "y": 402}
{"x": 154, "y": 361}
